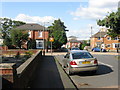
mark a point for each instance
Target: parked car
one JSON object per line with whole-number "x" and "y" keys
{"x": 97, "y": 49}
{"x": 79, "y": 61}
{"x": 74, "y": 48}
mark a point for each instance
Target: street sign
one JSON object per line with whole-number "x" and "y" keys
{"x": 51, "y": 39}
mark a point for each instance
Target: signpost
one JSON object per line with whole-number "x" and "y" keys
{"x": 51, "y": 40}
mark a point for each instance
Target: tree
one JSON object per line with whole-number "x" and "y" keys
{"x": 58, "y": 32}
{"x": 7, "y": 24}
{"x": 31, "y": 44}
{"x": 112, "y": 21}
{"x": 18, "y": 37}
{"x": 83, "y": 44}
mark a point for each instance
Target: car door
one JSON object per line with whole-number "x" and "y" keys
{"x": 66, "y": 60}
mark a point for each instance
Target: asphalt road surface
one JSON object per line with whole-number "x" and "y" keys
{"x": 106, "y": 76}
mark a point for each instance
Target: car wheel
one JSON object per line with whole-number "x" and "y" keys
{"x": 94, "y": 72}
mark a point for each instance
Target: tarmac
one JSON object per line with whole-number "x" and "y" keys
{"x": 50, "y": 74}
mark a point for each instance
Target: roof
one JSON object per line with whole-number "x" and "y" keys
{"x": 31, "y": 27}
{"x": 100, "y": 34}
{"x": 72, "y": 37}
{"x": 74, "y": 41}
{"x": 77, "y": 51}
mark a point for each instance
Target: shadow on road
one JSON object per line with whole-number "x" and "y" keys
{"x": 102, "y": 69}
{"x": 47, "y": 74}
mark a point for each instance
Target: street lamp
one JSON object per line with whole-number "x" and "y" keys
{"x": 44, "y": 38}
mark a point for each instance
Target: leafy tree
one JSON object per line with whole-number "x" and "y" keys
{"x": 58, "y": 32}
{"x": 31, "y": 44}
{"x": 83, "y": 44}
{"x": 7, "y": 24}
{"x": 18, "y": 37}
{"x": 112, "y": 21}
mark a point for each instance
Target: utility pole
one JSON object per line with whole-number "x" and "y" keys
{"x": 91, "y": 31}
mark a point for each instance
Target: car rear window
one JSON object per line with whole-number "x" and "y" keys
{"x": 81, "y": 55}
{"x": 75, "y": 49}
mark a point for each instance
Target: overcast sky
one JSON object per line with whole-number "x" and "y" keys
{"x": 77, "y": 15}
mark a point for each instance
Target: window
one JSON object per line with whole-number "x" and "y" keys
{"x": 109, "y": 38}
{"x": 116, "y": 45}
{"x": 39, "y": 34}
{"x": 116, "y": 38}
{"x": 98, "y": 38}
{"x": 108, "y": 45}
{"x": 81, "y": 55}
{"x": 39, "y": 44}
{"x": 29, "y": 34}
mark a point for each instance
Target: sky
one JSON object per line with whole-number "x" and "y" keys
{"x": 78, "y": 15}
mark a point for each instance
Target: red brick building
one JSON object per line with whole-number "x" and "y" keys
{"x": 103, "y": 40}
{"x": 37, "y": 32}
{"x": 72, "y": 42}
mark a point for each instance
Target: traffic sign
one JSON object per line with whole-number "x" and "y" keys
{"x": 51, "y": 39}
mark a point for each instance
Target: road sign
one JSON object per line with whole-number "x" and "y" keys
{"x": 51, "y": 39}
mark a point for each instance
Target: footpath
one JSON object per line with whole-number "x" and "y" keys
{"x": 50, "y": 74}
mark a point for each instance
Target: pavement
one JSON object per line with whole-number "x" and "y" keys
{"x": 50, "y": 74}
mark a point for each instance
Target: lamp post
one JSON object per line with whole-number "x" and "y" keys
{"x": 44, "y": 38}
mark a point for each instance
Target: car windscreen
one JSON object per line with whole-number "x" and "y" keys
{"x": 81, "y": 55}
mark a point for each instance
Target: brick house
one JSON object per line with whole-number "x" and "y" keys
{"x": 103, "y": 40}
{"x": 37, "y": 32}
{"x": 73, "y": 42}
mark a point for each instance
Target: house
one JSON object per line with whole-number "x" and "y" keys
{"x": 103, "y": 40}
{"x": 73, "y": 42}
{"x": 37, "y": 32}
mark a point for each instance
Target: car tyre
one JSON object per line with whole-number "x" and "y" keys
{"x": 94, "y": 72}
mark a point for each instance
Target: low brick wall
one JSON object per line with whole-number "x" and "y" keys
{"x": 6, "y": 71}
{"x": 20, "y": 77}
{"x": 24, "y": 74}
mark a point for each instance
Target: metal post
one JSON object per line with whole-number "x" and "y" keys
{"x": 44, "y": 39}
{"x": 100, "y": 40}
{"x": 51, "y": 48}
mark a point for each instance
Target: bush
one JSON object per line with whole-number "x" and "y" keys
{"x": 17, "y": 56}
{"x": 28, "y": 54}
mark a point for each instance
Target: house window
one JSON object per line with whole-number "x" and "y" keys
{"x": 116, "y": 45}
{"x": 98, "y": 38}
{"x": 39, "y": 44}
{"x": 29, "y": 34}
{"x": 109, "y": 38}
{"x": 39, "y": 34}
{"x": 116, "y": 38}
{"x": 108, "y": 45}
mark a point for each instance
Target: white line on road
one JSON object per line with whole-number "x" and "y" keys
{"x": 105, "y": 64}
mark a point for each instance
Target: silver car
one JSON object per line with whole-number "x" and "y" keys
{"x": 79, "y": 61}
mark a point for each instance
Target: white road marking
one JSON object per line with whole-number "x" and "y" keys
{"x": 105, "y": 64}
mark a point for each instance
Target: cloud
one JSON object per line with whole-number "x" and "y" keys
{"x": 84, "y": 33}
{"x": 81, "y": 34}
{"x": 34, "y": 19}
{"x": 97, "y": 9}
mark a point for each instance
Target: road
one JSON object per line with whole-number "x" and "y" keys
{"x": 106, "y": 76}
